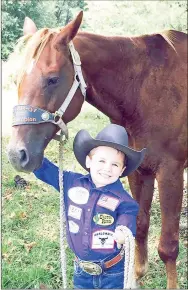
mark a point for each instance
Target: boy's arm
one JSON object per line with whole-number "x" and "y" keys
{"x": 127, "y": 214}
{"x": 49, "y": 173}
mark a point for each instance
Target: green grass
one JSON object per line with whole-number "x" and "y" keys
{"x": 30, "y": 223}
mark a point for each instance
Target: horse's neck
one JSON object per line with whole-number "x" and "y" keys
{"x": 107, "y": 64}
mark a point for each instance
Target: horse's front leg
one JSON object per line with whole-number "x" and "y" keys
{"x": 170, "y": 184}
{"x": 142, "y": 187}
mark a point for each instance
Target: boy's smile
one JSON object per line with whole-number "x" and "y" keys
{"x": 106, "y": 165}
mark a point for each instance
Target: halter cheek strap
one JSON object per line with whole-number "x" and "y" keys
{"x": 26, "y": 114}
{"x": 78, "y": 80}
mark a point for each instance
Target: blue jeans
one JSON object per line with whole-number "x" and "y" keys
{"x": 111, "y": 278}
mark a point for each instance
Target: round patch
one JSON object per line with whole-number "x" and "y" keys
{"x": 78, "y": 195}
{"x": 103, "y": 219}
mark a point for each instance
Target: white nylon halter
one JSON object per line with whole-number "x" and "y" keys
{"x": 78, "y": 80}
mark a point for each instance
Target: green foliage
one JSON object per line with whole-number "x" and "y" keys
{"x": 135, "y": 17}
{"x": 13, "y": 15}
{"x": 64, "y": 10}
{"x": 102, "y": 17}
{"x": 43, "y": 13}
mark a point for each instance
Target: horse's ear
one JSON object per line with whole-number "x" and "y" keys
{"x": 29, "y": 26}
{"x": 68, "y": 32}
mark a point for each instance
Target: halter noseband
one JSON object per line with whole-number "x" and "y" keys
{"x": 26, "y": 114}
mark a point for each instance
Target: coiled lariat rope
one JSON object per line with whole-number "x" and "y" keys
{"x": 129, "y": 245}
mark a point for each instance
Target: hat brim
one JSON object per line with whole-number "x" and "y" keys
{"x": 84, "y": 143}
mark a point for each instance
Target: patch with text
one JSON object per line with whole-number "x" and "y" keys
{"x": 108, "y": 202}
{"x": 74, "y": 212}
{"x": 103, "y": 219}
{"x": 102, "y": 239}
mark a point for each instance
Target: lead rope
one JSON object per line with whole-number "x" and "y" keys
{"x": 62, "y": 216}
{"x": 129, "y": 247}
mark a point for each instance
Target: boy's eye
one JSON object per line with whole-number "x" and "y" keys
{"x": 115, "y": 165}
{"x": 102, "y": 161}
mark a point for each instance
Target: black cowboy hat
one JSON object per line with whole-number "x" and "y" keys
{"x": 114, "y": 136}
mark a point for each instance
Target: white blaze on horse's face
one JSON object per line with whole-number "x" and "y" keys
{"x": 30, "y": 66}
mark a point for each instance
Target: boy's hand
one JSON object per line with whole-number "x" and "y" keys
{"x": 119, "y": 236}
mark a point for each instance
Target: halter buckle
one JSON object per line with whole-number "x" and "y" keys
{"x": 57, "y": 116}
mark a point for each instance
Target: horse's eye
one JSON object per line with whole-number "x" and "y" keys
{"x": 52, "y": 81}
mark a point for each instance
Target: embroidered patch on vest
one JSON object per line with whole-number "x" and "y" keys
{"x": 103, "y": 219}
{"x": 74, "y": 212}
{"x": 73, "y": 227}
{"x": 79, "y": 195}
{"x": 108, "y": 202}
{"x": 102, "y": 239}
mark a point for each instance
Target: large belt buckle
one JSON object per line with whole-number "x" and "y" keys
{"x": 90, "y": 268}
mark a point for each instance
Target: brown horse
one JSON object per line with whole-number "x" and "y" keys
{"x": 139, "y": 83}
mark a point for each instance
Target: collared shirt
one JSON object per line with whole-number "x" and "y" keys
{"x": 92, "y": 214}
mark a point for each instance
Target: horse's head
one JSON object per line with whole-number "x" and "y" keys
{"x": 46, "y": 79}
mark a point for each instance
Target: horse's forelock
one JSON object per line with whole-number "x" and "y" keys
{"x": 34, "y": 45}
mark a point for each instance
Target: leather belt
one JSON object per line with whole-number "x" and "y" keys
{"x": 94, "y": 268}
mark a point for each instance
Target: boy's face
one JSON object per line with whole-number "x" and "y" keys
{"x": 106, "y": 165}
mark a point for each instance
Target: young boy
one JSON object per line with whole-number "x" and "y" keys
{"x": 97, "y": 206}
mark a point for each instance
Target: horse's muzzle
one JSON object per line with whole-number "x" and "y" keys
{"x": 21, "y": 160}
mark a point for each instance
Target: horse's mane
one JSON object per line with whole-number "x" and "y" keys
{"x": 173, "y": 37}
